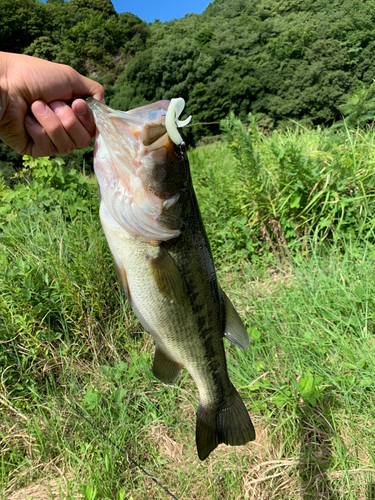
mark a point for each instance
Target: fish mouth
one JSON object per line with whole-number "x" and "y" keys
{"x": 145, "y": 124}
{"x": 138, "y": 165}
{"x": 136, "y": 127}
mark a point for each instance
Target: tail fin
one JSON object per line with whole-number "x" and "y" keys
{"x": 227, "y": 423}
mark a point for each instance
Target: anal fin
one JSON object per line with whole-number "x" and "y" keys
{"x": 164, "y": 368}
{"x": 234, "y": 329}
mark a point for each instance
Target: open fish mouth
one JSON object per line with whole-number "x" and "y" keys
{"x": 132, "y": 150}
{"x": 145, "y": 124}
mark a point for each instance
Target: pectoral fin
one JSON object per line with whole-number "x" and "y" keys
{"x": 234, "y": 329}
{"x": 123, "y": 278}
{"x": 167, "y": 276}
{"x": 164, "y": 368}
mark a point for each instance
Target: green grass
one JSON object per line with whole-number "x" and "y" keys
{"x": 69, "y": 341}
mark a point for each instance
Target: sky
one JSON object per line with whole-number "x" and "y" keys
{"x": 164, "y": 10}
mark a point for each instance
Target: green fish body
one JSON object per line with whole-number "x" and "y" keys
{"x": 153, "y": 226}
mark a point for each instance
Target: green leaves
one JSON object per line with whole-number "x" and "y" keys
{"x": 51, "y": 187}
{"x": 90, "y": 493}
{"x": 298, "y": 61}
{"x": 254, "y": 333}
{"x": 91, "y": 399}
{"x": 287, "y": 60}
{"x": 298, "y": 183}
{"x": 310, "y": 388}
{"x": 295, "y": 61}
{"x": 359, "y": 292}
{"x": 88, "y": 35}
{"x": 295, "y": 201}
{"x": 359, "y": 108}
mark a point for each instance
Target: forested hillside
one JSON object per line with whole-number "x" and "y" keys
{"x": 86, "y": 34}
{"x": 294, "y": 59}
{"x": 288, "y": 59}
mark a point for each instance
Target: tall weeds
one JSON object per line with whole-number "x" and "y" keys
{"x": 297, "y": 184}
{"x": 67, "y": 335}
{"x": 57, "y": 284}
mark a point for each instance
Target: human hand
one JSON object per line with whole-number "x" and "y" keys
{"x": 36, "y": 118}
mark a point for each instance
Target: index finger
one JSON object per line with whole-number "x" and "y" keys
{"x": 84, "y": 115}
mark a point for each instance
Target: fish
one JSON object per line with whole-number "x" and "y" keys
{"x": 152, "y": 222}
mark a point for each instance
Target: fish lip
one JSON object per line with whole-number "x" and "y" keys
{"x": 136, "y": 115}
{"x": 153, "y": 114}
{"x": 137, "y": 121}
{"x": 104, "y": 110}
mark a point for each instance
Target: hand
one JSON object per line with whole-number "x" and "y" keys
{"x": 41, "y": 114}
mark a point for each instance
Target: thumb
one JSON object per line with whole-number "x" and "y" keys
{"x": 95, "y": 90}
{"x": 83, "y": 86}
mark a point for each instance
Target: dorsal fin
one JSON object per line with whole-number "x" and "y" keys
{"x": 234, "y": 329}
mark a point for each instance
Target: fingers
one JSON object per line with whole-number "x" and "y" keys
{"x": 95, "y": 90}
{"x": 85, "y": 116}
{"x": 76, "y": 134}
{"x": 83, "y": 86}
{"x": 41, "y": 144}
{"x": 57, "y": 128}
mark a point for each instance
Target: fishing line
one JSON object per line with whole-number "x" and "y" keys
{"x": 201, "y": 123}
{"x": 81, "y": 414}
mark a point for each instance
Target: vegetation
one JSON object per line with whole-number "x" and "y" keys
{"x": 299, "y": 184}
{"x": 288, "y": 212}
{"x": 295, "y": 59}
{"x": 86, "y": 34}
{"x": 299, "y": 269}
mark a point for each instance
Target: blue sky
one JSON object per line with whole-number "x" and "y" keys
{"x": 166, "y": 10}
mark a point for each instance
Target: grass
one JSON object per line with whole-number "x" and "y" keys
{"x": 69, "y": 341}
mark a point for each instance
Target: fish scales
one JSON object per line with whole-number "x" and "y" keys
{"x": 153, "y": 226}
{"x": 172, "y": 323}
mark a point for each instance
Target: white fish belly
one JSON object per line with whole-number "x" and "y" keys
{"x": 172, "y": 325}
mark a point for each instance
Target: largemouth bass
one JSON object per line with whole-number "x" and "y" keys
{"x": 153, "y": 226}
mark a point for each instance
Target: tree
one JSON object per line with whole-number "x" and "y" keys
{"x": 21, "y": 21}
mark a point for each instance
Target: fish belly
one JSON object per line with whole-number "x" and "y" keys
{"x": 185, "y": 328}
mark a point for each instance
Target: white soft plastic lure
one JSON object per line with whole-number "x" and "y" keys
{"x": 172, "y": 121}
